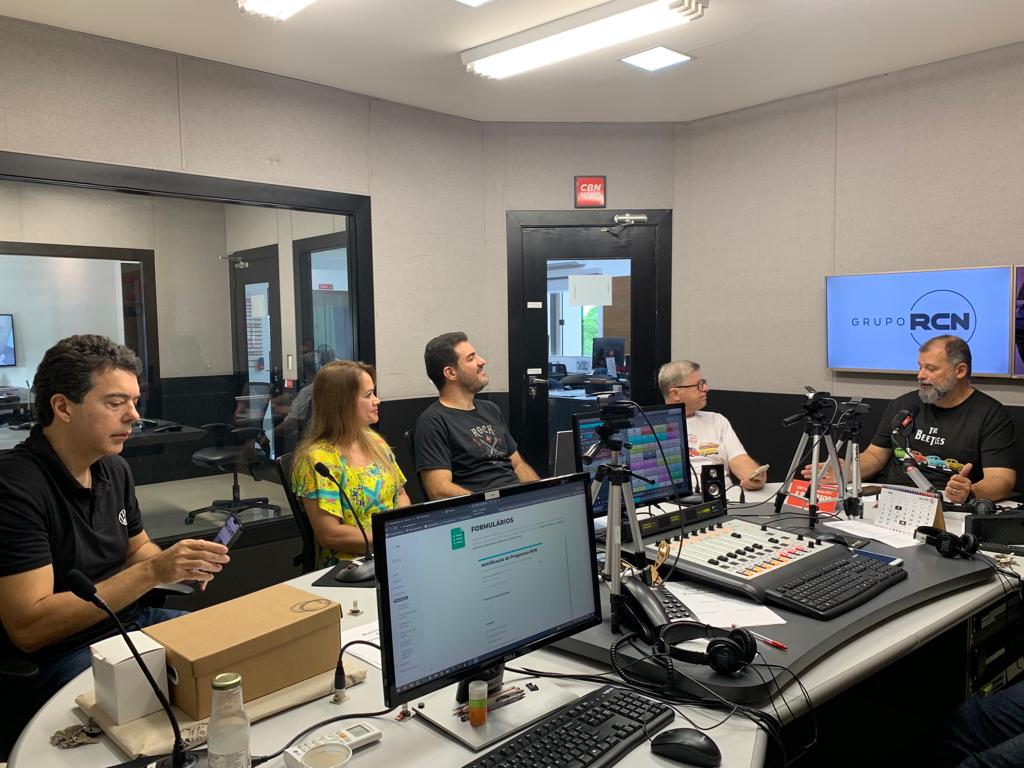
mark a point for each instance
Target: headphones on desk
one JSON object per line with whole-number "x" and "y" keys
{"x": 948, "y": 544}
{"x": 728, "y": 651}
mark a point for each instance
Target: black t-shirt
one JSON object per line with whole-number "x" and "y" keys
{"x": 978, "y": 431}
{"x": 475, "y": 445}
{"x": 48, "y": 518}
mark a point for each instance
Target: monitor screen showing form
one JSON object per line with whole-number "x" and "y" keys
{"x": 667, "y": 427}
{"x": 467, "y": 583}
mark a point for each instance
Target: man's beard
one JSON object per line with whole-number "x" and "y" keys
{"x": 936, "y": 392}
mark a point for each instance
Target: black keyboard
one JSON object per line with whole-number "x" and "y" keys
{"x": 594, "y": 731}
{"x": 1002, "y": 549}
{"x": 837, "y": 587}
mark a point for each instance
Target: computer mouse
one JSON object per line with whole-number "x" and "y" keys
{"x": 832, "y": 538}
{"x": 687, "y": 745}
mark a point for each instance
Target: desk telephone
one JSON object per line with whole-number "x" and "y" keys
{"x": 647, "y": 609}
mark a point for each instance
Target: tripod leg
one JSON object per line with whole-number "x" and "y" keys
{"x": 634, "y": 523}
{"x": 780, "y": 495}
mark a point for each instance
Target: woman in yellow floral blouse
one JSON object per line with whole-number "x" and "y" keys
{"x": 345, "y": 404}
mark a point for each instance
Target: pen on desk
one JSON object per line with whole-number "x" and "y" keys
{"x": 769, "y": 641}
{"x": 766, "y": 640}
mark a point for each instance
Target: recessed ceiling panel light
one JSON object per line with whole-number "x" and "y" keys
{"x": 656, "y": 58}
{"x": 274, "y": 9}
{"x": 473, "y": 3}
{"x": 611, "y": 23}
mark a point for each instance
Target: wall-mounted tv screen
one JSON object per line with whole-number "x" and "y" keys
{"x": 7, "y": 357}
{"x": 1018, "y": 323}
{"x": 877, "y": 322}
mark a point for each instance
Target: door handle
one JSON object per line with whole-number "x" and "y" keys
{"x": 533, "y": 382}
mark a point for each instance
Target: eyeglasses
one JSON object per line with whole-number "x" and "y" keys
{"x": 702, "y": 386}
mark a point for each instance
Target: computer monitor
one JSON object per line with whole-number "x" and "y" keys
{"x": 7, "y": 356}
{"x": 667, "y": 427}
{"x": 606, "y": 347}
{"x": 465, "y": 584}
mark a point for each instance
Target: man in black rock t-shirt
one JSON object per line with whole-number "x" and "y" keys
{"x": 961, "y": 438}
{"x": 463, "y": 444}
{"x": 67, "y": 501}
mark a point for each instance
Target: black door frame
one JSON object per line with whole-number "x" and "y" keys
{"x": 261, "y": 253}
{"x": 655, "y": 346}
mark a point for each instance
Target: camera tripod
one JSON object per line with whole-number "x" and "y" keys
{"x": 817, "y": 430}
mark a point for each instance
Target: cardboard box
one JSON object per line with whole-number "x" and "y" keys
{"x": 273, "y": 638}
{"x": 122, "y": 690}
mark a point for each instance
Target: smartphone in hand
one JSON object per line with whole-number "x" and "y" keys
{"x": 229, "y": 532}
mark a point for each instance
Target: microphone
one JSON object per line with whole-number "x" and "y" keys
{"x": 353, "y": 572}
{"x": 902, "y": 423}
{"x": 83, "y": 588}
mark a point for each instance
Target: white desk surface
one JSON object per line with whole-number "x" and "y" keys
{"x": 412, "y": 743}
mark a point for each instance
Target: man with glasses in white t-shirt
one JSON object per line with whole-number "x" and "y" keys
{"x": 711, "y": 436}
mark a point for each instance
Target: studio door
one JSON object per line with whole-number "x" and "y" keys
{"x": 589, "y": 311}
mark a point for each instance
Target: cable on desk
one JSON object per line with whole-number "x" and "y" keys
{"x": 804, "y": 748}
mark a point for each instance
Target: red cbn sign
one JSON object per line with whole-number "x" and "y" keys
{"x": 591, "y": 191}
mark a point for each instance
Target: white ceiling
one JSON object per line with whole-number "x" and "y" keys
{"x": 745, "y": 52}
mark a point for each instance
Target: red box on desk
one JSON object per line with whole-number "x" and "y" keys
{"x": 273, "y": 638}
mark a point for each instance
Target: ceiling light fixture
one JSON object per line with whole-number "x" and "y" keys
{"x": 273, "y": 9}
{"x": 473, "y": 3}
{"x": 656, "y": 58}
{"x": 608, "y": 24}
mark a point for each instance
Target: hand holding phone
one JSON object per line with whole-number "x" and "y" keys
{"x": 759, "y": 471}
{"x": 229, "y": 532}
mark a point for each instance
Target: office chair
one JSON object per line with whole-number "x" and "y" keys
{"x": 410, "y": 440}
{"x": 306, "y": 558}
{"x": 246, "y": 453}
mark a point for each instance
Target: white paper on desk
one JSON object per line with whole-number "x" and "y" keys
{"x": 869, "y": 531}
{"x": 719, "y": 610}
{"x": 371, "y": 634}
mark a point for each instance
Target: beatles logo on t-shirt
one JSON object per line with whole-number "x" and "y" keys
{"x": 489, "y": 442}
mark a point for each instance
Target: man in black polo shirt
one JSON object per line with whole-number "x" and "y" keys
{"x": 67, "y": 501}
{"x": 463, "y": 444}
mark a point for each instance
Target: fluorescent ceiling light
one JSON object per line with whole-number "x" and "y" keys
{"x": 473, "y": 3}
{"x": 274, "y": 9}
{"x": 608, "y": 24}
{"x": 656, "y": 58}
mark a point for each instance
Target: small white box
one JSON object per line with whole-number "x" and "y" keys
{"x": 122, "y": 690}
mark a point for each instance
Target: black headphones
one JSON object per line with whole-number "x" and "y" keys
{"x": 948, "y": 544}
{"x": 728, "y": 651}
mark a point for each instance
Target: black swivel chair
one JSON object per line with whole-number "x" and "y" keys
{"x": 307, "y": 558}
{"x": 410, "y": 440}
{"x": 246, "y": 453}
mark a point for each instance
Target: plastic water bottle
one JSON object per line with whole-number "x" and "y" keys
{"x": 227, "y": 735}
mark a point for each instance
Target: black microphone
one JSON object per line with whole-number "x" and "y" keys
{"x": 367, "y": 570}
{"x": 903, "y": 422}
{"x": 84, "y": 589}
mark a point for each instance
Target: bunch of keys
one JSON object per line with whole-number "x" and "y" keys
{"x": 659, "y": 560}
{"x": 77, "y": 735}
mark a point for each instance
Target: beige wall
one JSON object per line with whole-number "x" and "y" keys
{"x": 915, "y": 169}
{"x": 918, "y": 169}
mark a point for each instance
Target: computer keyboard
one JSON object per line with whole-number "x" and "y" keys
{"x": 594, "y": 731}
{"x": 837, "y": 587}
{"x": 1001, "y": 549}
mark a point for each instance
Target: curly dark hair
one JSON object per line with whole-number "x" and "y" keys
{"x": 69, "y": 365}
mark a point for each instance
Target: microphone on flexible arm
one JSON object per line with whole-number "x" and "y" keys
{"x": 902, "y": 423}
{"x": 83, "y": 588}
{"x": 353, "y": 572}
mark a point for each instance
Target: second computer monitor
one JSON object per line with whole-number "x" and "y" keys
{"x": 663, "y": 424}
{"x": 464, "y": 584}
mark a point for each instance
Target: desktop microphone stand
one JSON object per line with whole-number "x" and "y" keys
{"x": 816, "y": 429}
